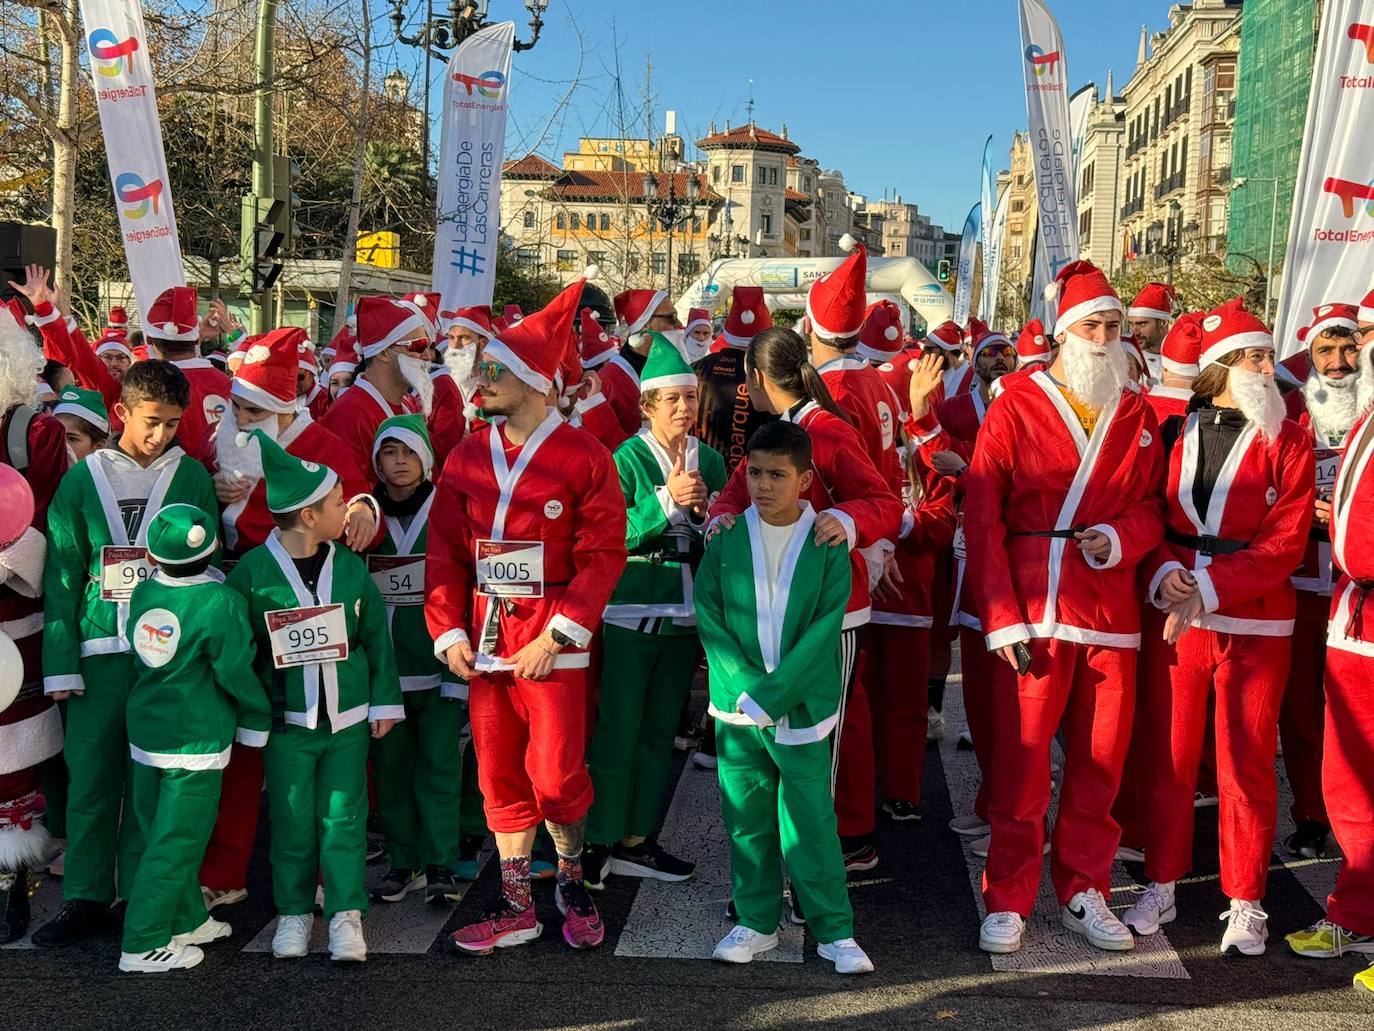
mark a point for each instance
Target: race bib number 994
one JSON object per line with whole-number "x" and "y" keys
{"x": 121, "y": 570}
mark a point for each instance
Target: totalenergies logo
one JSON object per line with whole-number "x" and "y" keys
{"x": 488, "y": 84}
{"x": 1349, "y": 193}
{"x": 113, "y": 55}
{"x": 1042, "y": 62}
{"x": 157, "y": 633}
{"x": 1363, "y": 34}
{"x": 130, "y": 189}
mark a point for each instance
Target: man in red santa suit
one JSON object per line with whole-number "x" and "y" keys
{"x": 725, "y": 418}
{"x": 309, "y": 392}
{"x": 527, "y": 541}
{"x": 393, "y": 339}
{"x": 466, "y": 330}
{"x": 697, "y": 334}
{"x": 1061, "y": 504}
{"x": 642, "y": 312}
{"x": 600, "y": 353}
{"x": 175, "y": 329}
{"x": 960, "y": 416}
{"x": 1148, "y": 317}
{"x": 1178, "y": 356}
{"x": 263, "y": 397}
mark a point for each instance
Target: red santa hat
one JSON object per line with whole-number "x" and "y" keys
{"x": 345, "y": 355}
{"x": 535, "y": 347}
{"x": 1082, "y": 290}
{"x": 1155, "y": 301}
{"x": 880, "y": 337}
{"x": 512, "y": 314}
{"x": 267, "y": 377}
{"x": 1231, "y": 328}
{"x": 427, "y": 304}
{"x": 835, "y": 303}
{"x": 307, "y": 362}
{"x": 1032, "y": 345}
{"x": 15, "y": 306}
{"x": 1132, "y": 347}
{"x": 988, "y": 337}
{"x": 385, "y": 321}
{"x": 635, "y": 308}
{"x": 1365, "y": 313}
{"x": 476, "y": 319}
{"x": 597, "y": 346}
{"x": 119, "y": 318}
{"x": 975, "y": 330}
{"x": 1332, "y": 316}
{"x": 114, "y": 341}
{"x": 1183, "y": 345}
{"x": 947, "y": 336}
{"x": 697, "y": 317}
{"x": 173, "y": 315}
{"x": 748, "y": 316}
{"x": 345, "y": 334}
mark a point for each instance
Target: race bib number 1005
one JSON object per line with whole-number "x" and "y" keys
{"x": 302, "y": 636}
{"x": 511, "y": 569}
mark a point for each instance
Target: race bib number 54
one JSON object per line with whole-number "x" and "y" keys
{"x": 302, "y": 636}
{"x": 399, "y": 578}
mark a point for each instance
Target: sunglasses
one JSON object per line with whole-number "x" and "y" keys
{"x": 997, "y": 351}
{"x": 491, "y": 371}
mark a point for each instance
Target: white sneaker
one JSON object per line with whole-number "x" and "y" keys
{"x": 1203, "y": 799}
{"x": 214, "y": 897}
{"x": 1130, "y": 855}
{"x": 292, "y": 938}
{"x": 1001, "y": 932}
{"x": 210, "y": 931}
{"x": 1089, "y": 915}
{"x": 172, "y": 956}
{"x": 1246, "y": 931}
{"x": 935, "y": 729}
{"x": 742, "y": 944}
{"x": 346, "y": 942}
{"x": 702, "y": 761}
{"x": 847, "y": 956}
{"x": 970, "y": 826}
{"x": 1154, "y": 907}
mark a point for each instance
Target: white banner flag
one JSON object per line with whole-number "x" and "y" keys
{"x": 988, "y": 198}
{"x": 471, "y": 151}
{"x": 992, "y": 264}
{"x": 968, "y": 249}
{"x": 122, "y": 72}
{"x": 1331, "y": 234}
{"x": 1051, "y": 142}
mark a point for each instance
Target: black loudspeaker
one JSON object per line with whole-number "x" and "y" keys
{"x": 23, "y": 244}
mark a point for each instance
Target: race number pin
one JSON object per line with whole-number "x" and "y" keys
{"x": 1271, "y": 495}
{"x": 553, "y": 509}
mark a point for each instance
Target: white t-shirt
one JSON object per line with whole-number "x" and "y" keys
{"x": 775, "y": 542}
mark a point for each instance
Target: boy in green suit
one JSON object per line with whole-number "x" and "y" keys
{"x": 417, "y": 769}
{"x": 97, "y": 554}
{"x": 323, "y": 651}
{"x": 650, "y": 649}
{"x": 195, "y": 693}
{"x": 769, "y": 603}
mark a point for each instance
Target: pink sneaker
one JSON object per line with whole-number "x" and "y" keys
{"x": 499, "y": 929}
{"x": 582, "y": 926}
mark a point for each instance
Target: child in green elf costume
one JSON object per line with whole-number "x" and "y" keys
{"x": 84, "y": 416}
{"x": 324, "y": 654}
{"x": 770, "y": 602}
{"x": 651, "y": 650}
{"x": 417, "y": 768}
{"x": 195, "y": 693}
{"x": 97, "y": 554}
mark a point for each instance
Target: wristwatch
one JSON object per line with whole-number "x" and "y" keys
{"x": 561, "y": 639}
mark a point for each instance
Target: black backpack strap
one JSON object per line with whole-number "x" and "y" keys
{"x": 17, "y": 436}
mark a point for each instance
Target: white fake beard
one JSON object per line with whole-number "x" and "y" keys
{"x": 1095, "y": 373}
{"x": 1258, "y": 398}
{"x": 1333, "y": 404}
{"x": 460, "y": 362}
{"x": 242, "y": 462}
{"x": 21, "y": 363}
{"x": 416, "y": 373}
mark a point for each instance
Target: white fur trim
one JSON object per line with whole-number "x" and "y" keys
{"x": 30, "y": 741}
{"x": 255, "y": 395}
{"x": 82, "y": 412}
{"x": 1178, "y": 368}
{"x": 634, "y": 327}
{"x": 1235, "y": 342}
{"x": 1114, "y": 557}
{"x": 496, "y": 350}
{"x": 250, "y": 738}
{"x": 1083, "y": 309}
{"x": 1148, "y": 313}
{"x": 20, "y": 849}
{"x": 410, "y": 439}
{"x": 580, "y": 635}
{"x": 115, "y": 345}
{"x": 678, "y": 379}
{"x": 447, "y": 640}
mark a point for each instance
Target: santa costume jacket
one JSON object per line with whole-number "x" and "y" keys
{"x": 355, "y": 415}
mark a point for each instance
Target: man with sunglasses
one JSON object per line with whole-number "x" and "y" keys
{"x": 528, "y": 542}
{"x": 644, "y": 312}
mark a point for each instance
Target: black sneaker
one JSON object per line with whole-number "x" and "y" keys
{"x": 731, "y": 911}
{"x": 441, "y": 884}
{"x": 900, "y": 809}
{"x": 865, "y": 857}
{"x": 76, "y": 921}
{"x": 397, "y": 884}
{"x": 1308, "y": 841}
{"x": 14, "y": 905}
{"x": 596, "y": 866}
{"x": 795, "y": 913}
{"x": 376, "y": 845}
{"x": 647, "y": 859}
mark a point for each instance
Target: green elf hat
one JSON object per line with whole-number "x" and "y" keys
{"x": 84, "y": 404}
{"x": 180, "y": 534}
{"x": 410, "y": 431}
{"x": 291, "y": 483}
{"x": 665, "y": 367}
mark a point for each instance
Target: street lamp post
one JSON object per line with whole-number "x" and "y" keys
{"x": 672, "y": 210}
{"x": 1239, "y": 183}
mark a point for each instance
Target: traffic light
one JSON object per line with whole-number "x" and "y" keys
{"x": 285, "y": 173}
{"x": 942, "y": 270}
{"x": 260, "y": 243}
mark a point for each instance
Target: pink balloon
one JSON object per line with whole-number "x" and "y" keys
{"x": 16, "y": 505}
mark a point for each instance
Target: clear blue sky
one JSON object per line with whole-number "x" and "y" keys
{"x": 898, "y": 94}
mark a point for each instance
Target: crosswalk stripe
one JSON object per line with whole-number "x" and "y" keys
{"x": 685, "y": 920}
{"x": 1048, "y": 947}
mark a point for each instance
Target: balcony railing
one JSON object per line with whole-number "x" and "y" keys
{"x": 1169, "y": 184}
{"x": 1132, "y": 207}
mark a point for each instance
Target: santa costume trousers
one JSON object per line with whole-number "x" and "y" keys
{"x": 236, "y": 825}
{"x": 1302, "y": 717}
{"x": 645, "y": 680}
{"x": 175, "y": 810}
{"x": 97, "y": 753}
{"x": 417, "y": 770}
{"x": 776, "y": 805}
{"x": 317, "y": 810}
{"x": 1248, "y": 673}
{"x": 1348, "y": 778}
{"x": 896, "y": 660}
{"x": 852, "y": 743}
{"x": 1090, "y": 691}
{"x": 531, "y": 739}
{"x": 978, "y": 667}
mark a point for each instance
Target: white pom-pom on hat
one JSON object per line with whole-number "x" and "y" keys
{"x": 169, "y": 327}
{"x": 591, "y": 272}
{"x": 747, "y": 317}
{"x": 848, "y": 243}
{"x": 1051, "y": 290}
{"x": 195, "y": 536}
{"x": 420, "y": 301}
{"x": 891, "y": 333}
{"x": 241, "y": 439}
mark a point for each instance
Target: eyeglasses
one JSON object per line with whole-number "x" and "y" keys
{"x": 491, "y": 371}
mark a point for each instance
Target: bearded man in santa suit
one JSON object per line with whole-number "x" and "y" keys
{"x": 527, "y": 542}
{"x": 725, "y": 418}
{"x": 1061, "y": 505}
{"x": 600, "y": 353}
{"x": 1149, "y": 317}
{"x": 643, "y": 312}
{"x": 393, "y": 374}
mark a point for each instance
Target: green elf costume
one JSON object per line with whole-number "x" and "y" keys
{"x": 417, "y": 768}
{"x": 333, "y": 670}
{"x": 97, "y": 548}
{"x": 195, "y": 692}
{"x": 84, "y": 404}
{"x": 651, "y": 650}
{"x": 772, "y": 638}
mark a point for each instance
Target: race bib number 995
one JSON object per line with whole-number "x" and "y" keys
{"x": 302, "y": 636}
